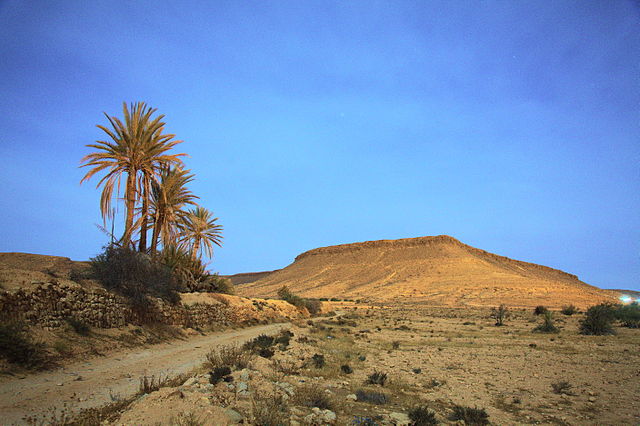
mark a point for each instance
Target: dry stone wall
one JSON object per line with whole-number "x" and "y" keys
{"x": 52, "y": 304}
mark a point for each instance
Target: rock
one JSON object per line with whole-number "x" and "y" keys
{"x": 400, "y": 419}
{"x": 242, "y": 386}
{"x": 592, "y": 399}
{"x": 244, "y": 375}
{"x": 234, "y": 416}
{"x": 352, "y": 397}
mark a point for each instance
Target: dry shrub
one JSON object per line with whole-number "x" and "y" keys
{"x": 17, "y": 347}
{"x": 228, "y": 356}
{"x": 470, "y": 416}
{"x": 270, "y": 409}
{"x": 313, "y": 396}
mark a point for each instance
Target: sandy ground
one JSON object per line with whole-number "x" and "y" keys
{"x": 97, "y": 381}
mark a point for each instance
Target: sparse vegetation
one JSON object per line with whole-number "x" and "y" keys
{"x": 218, "y": 374}
{"x": 540, "y": 310}
{"x": 79, "y": 326}
{"x": 346, "y": 369}
{"x": 548, "y": 325}
{"x": 230, "y": 356}
{"x": 395, "y": 344}
{"x": 377, "y": 378}
{"x": 17, "y": 347}
{"x": 312, "y": 306}
{"x": 150, "y": 384}
{"x": 270, "y": 409}
{"x": 470, "y": 416}
{"x": 628, "y": 315}
{"x": 500, "y": 314}
{"x": 598, "y": 320}
{"x": 314, "y": 396}
{"x": 569, "y": 310}
{"x": 422, "y": 416}
{"x": 318, "y": 360}
{"x": 562, "y": 387}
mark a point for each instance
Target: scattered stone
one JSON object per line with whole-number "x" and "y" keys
{"x": 400, "y": 419}
{"x": 352, "y": 397}
{"x": 234, "y": 416}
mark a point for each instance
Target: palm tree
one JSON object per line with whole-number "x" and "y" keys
{"x": 169, "y": 196}
{"x": 138, "y": 149}
{"x": 200, "y": 231}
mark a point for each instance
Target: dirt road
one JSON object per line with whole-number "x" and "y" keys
{"x": 94, "y": 382}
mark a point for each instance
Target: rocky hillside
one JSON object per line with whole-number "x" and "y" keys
{"x": 431, "y": 270}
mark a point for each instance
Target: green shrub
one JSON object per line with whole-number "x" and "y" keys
{"x": 540, "y": 310}
{"x": 422, "y": 416}
{"x": 79, "y": 326}
{"x": 18, "y": 348}
{"x": 598, "y": 320}
{"x": 547, "y": 326}
{"x": 629, "y": 315}
{"x": 569, "y": 310}
{"x": 318, "y": 360}
{"x": 312, "y": 306}
{"x": 218, "y": 374}
{"x": 377, "y": 378}
{"x": 134, "y": 275}
{"x": 470, "y": 416}
{"x": 377, "y": 398}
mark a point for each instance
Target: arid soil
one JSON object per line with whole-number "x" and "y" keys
{"x": 432, "y": 357}
{"x": 439, "y": 271}
{"x": 98, "y": 381}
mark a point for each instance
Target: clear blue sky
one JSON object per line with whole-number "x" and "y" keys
{"x": 510, "y": 125}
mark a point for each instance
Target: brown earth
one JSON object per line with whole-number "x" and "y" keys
{"x": 428, "y": 270}
{"x": 248, "y": 277}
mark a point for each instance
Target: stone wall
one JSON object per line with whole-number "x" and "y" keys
{"x": 51, "y": 304}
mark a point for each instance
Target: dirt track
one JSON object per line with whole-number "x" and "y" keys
{"x": 93, "y": 383}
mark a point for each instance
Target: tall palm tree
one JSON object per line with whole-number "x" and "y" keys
{"x": 200, "y": 231}
{"x": 169, "y": 196}
{"x": 138, "y": 149}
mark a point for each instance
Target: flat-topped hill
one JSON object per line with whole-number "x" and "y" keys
{"x": 436, "y": 270}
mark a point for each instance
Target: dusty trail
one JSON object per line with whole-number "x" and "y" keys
{"x": 92, "y": 383}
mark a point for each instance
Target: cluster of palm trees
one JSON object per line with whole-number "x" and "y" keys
{"x": 156, "y": 198}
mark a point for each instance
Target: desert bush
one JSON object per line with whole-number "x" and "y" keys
{"x": 266, "y": 352}
{"x": 283, "y": 339}
{"x": 547, "y": 326}
{"x": 287, "y": 367}
{"x": 569, "y": 310}
{"x": 318, "y": 360}
{"x": 269, "y": 409}
{"x": 134, "y": 275}
{"x": 562, "y": 387}
{"x": 150, "y": 384}
{"x": 231, "y": 356}
{"x": 500, "y": 314}
{"x": 377, "y": 378}
{"x": 261, "y": 342}
{"x": 186, "y": 419}
{"x": 628, "y": 315}
{"x": 377, "y": 398}
{"x": 540, "y": 310}
{"x": 312, "y": 306}
{"x": 218, "y": 374}
{"x": 598, "y": 320}
{"x": 395, "y": 344}
{"x": 62, "y": 347}
{"x": 79, "y": 326}
{"x": 18, "y": 348}
{"x": 422, "y": 416}
{"x": 346, "y": 369}
{"x": 314, "y": 396}
{"x": 470, "y": 416}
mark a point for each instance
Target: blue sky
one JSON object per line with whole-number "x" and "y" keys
{"x": 510, "y": 125}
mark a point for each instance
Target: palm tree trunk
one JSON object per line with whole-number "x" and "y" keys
{"x": 156, "y": 231}
{"x": 130, "y": 199}
{"x": 142, "y": 246}
{"x": 194, "y": 250}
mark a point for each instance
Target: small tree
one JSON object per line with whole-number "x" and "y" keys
{"x": 500, "y": 314}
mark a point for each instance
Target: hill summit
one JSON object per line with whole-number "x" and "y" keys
{"x": 436, "y": 270}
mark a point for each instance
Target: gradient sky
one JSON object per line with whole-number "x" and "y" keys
{"x": 512, "y": 126}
